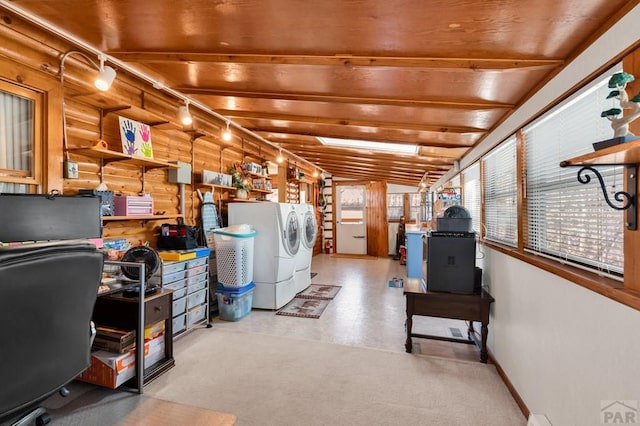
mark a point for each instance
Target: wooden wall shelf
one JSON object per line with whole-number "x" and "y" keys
{"x": 258, "y": 176}
{"x": 109, "y": 156}
{"x": 626, "y": 154}
{"x": 142, "y": 217}
{"x": 214, "y": 185}
{"x": 244, "y": 200}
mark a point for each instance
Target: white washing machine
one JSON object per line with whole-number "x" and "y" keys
{"x": 309, "y": 233}
{"x": 275, "y": 248}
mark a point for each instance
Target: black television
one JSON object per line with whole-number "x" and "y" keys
{"x": 47, "y": 217}
{"x": 451, "y": 262}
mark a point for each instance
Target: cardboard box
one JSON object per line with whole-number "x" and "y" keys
{"x": 154, "y": 330}
{"x": 111, "y": 370}
{"x": 114, "y": 339}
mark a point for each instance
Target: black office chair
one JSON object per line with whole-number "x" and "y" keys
{"x": 47, "y": 295}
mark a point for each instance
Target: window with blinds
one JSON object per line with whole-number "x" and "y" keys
{"x": 414, "y": 208}
{"x": 19, "y": 141}
{"x": 471, "y": 194}
{"x": 567, "y": 219}
{"x": 395, "y": 206}
{"x": 500, "y": 202}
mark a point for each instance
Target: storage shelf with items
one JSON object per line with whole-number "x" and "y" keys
{"x": 121, "y": 311}
{"x": 293, "y": 192}
{"x": 186, "y": 273}
{"x": 126, "y": 160}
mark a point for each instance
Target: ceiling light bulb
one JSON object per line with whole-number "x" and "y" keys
{"x": 315, "y": 173}
{"x": 105, "y": 77}
{"x": 280, "y": 158}
{"x": 226, "y": 135}
{"x": 184, "y": 115}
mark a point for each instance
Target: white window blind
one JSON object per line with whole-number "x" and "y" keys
{"x": 471, "y": 194}
{"x": 395, "y": 206}
{"x": 414, "y": 207}
{"x": 500, "y": 204}
{"x": 425, "y": 206}
{"x": 567, "y": 219}
{"x": 16, "y": 141}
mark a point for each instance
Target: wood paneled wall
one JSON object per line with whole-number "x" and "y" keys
{"x": 31, "y": 57}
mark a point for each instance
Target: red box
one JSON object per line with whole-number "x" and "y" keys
{"x": 127, "y": 205}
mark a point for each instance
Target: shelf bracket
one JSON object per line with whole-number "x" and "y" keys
{"x": 628, "y": 198}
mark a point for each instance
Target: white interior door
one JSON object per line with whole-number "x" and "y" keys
{"x": 351, "y": 219}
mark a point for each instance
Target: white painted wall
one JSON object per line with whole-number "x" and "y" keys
{"x": 563, "y": 347}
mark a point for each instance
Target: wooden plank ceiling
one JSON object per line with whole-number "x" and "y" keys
{"x": 437, "y": 73}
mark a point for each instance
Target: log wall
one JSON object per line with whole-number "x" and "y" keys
{"x": 31, "y": 57}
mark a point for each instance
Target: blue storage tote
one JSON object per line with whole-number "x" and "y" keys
{"x": 234, "y": 303}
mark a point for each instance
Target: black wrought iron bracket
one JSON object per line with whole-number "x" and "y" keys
{"x": 628, "y": 199}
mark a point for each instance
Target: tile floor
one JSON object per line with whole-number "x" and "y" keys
{"x": 366, "y": 312}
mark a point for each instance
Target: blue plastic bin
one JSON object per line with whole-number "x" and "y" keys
{"x": 234, "y": 303}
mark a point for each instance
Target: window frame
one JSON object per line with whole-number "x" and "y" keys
{"x": 506, "y": 189}
{"x": 33, "y": 179}
{"x": 555, "y": 200}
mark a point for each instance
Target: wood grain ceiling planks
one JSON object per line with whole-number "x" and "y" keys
{"x": 441, "y": 74}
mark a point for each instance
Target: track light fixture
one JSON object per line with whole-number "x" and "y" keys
{"x": 226, "y": 135}
{"x": 105, "y": 77}
{"x": 280, "y": 158}
{"x": 106, "y": 74}
{"x": 184, "y": 115}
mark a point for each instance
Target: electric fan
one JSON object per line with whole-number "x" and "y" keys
{"x": 140, "y": 254}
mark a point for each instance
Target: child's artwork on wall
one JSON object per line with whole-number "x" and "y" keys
{"x": 135, "y": 138}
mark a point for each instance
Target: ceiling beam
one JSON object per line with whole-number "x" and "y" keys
{"x": 351, "y": 133}
{"x": 372, "y": 158}
{"x": 425, "y": 151}
{"x": 307, "y": 97}
{"x": 372, "y": 174}
{"x": 399, "y": 168}
{"x": 344, "y": 60}
{"x": 348, "y": 122}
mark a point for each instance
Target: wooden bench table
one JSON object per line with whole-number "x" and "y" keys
{"x": 469, "y": 307}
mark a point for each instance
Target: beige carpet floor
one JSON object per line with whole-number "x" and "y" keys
{"x": 274, "y": 380}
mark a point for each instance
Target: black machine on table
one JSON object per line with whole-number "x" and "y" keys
{"x": 451, "y": 254}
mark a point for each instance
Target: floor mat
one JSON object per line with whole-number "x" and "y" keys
{"x": 319, "y": 291}
{"x": 304, "y": 308}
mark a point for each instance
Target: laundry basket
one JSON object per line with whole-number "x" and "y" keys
{"x": 234, "y": 255}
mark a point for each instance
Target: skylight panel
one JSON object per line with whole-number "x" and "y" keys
{"x": 397, "y": 148}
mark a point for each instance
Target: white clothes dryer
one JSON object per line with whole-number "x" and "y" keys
{"x": 275, "y": 248}
{"x": 309, "y": 234}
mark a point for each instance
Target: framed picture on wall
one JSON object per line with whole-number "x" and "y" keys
{"x": 135, "y": 138}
